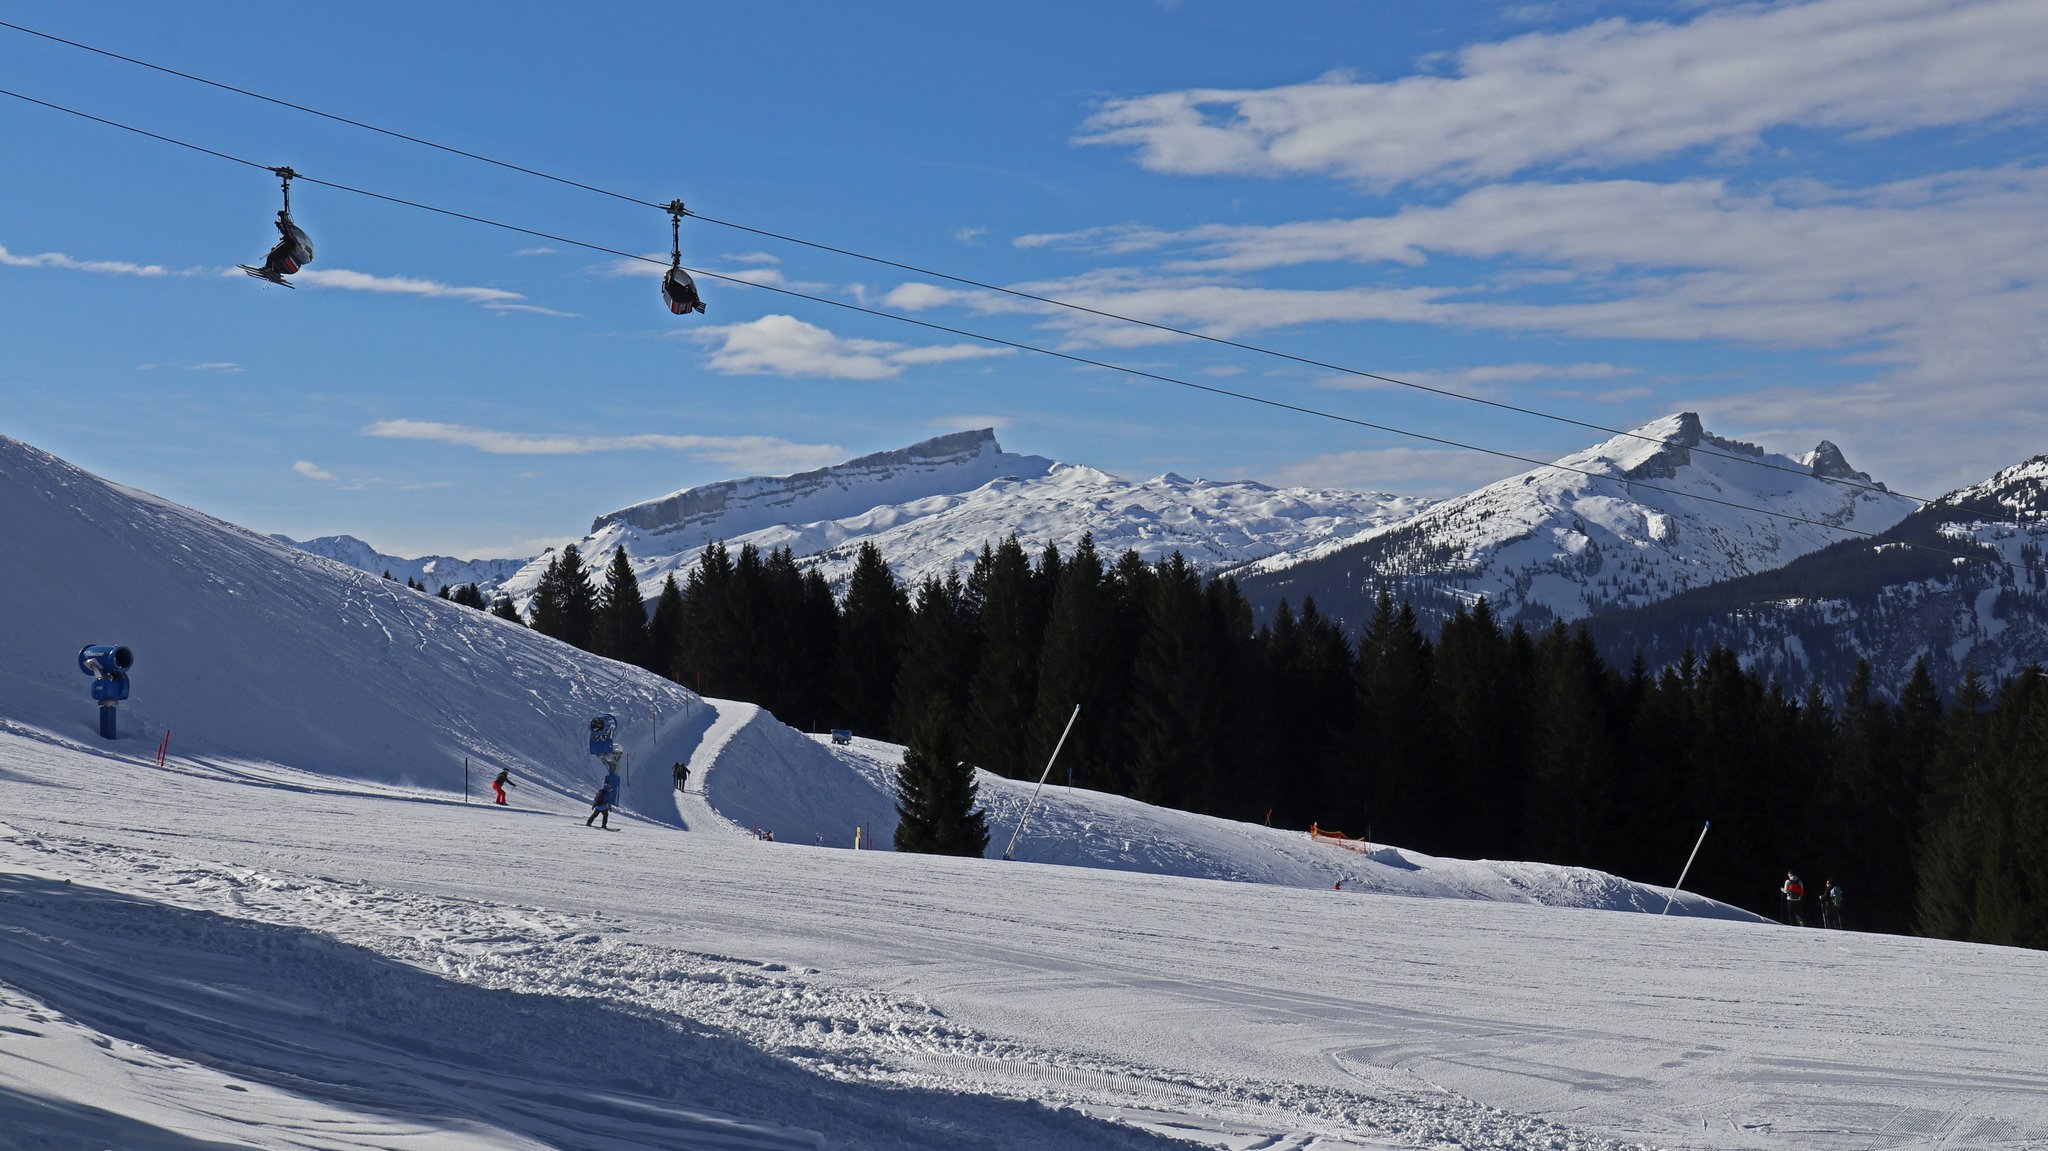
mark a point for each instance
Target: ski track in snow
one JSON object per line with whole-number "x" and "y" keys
{"x": 323, "y": 937}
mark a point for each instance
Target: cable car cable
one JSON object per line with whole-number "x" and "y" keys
{"x": 1070, "y": 357}
{"x": 1051, "y": 301}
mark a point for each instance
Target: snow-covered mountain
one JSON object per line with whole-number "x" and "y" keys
{"x": 435, "y": 572}
{"x": 1639, "y": 518}
{"x": 932, "y": 506}
{"x": 1961, "y": 583}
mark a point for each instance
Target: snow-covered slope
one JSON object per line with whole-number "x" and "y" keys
{"x": 1636, "y": 519}
{"x": 436, "y": 572}
{"x": 295, "y": 934}
{"x": 933, "y": 505}
{"x": 250, "y": 650}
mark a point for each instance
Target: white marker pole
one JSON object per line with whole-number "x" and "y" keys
{"x": 1041, "y": 781}
{"x": 1688, "y": 867}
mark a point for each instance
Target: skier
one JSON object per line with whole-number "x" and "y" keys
{"x": 503, "y": 781}
{"x": 682, "y": 774}
{"x": 601, "y": 807}
{"x": 1830, "y": 905}
{"x": 1795, "y": 900}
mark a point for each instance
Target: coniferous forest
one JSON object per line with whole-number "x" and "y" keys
{"x": 1480, "y": 742}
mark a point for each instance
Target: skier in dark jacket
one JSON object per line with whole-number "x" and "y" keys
{"x": 503, "y": 781}
{"x": 682, "y": 774}
{"x": 1831, "y": 905}
{"x": 601, "y": 808}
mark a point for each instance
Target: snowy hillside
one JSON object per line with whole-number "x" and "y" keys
{"x": 436, "y": 572}
{"x": 1633, "y": 520}
{"x": 930, "y": 507}
{"x": 300, "y": 933}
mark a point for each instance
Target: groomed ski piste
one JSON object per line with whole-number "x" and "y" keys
{"x": 298, "y": 932}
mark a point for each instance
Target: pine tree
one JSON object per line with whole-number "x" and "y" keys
{"x": 620, "y": 624}
{"x": 1397, "y": 755}
{"x": 502, "y": 608}
{"x": 939, "y": 651}
{"x": 1480, "y": 711}
{"x": 665, "y": 630}
{"x": 1172, "y": 680}
{"x": 1006, "y": 675}
{"x": 565, "y": 605}
{"x": 706, "y": 659}
{"x": 1575, "y": 763}
{"x": 869, "y": 644}
{"x": 937, "y": 799}
{"x": 1085, "y": 661}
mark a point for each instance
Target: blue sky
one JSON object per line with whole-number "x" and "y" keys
{"x": 1803, "y": 220}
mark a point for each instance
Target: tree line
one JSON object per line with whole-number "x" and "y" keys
{"x": 1478, "y": 742}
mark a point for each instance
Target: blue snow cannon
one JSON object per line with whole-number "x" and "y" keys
{"x": 604, "y": 730}
{"x": 108, "y": 666}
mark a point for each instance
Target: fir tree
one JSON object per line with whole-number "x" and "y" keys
{"x": 665, "y": 630}
{"x": 706, "y": 659}
{"x": 937, "y": 800}
{"x": 503, "y": 608}
{"x": 1006, "y": 675}
{"x": 620, "y": 624}
{"x": 869, "y": 644}
{"x": 564, "y": 604}
{"x": 1084, "y": 661}
{"x": 1173, "y": 680}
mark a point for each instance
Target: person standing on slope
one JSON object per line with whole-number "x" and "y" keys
{"x": 503, "y": 781}
{"x": 601, "y": 807}
{"x": 1795, "y": 900}
{"x": 1830, "y": 905}
{"x": 682, "y": 774}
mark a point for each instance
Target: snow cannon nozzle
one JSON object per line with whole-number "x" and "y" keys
{"x": 105, "y": 660}
{"x": 604, "y": 730}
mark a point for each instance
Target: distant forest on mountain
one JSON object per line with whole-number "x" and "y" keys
{"x": 1483, "y": 742}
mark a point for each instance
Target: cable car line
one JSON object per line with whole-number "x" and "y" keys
{"x": 1070, "y": 357}
{"x": 1051, "y": 301}
{"x": 326, "y": 115}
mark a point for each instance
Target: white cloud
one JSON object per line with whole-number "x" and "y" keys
{"x": 779, "y": 345}
{"x": 401, "y": 285}
{"x": 1613, "y": 92}
{"x": 218, "y": 366}
{"x": 759, "y": 452}
{"x": 1484, "y": 376}
{"x": 313, "y": 471}
{"x": 68, "y": 263}
{"x": 970, "y": 236}
{"x": 1936, "y": 275}
{"x": 532, "y": 309}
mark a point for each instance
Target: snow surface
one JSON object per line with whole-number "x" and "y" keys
{"x": 297, "y": 933}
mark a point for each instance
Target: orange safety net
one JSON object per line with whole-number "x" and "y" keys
{"x": 1337, "y": 839}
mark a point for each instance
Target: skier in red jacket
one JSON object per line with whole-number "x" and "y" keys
{"x": 1795, "y": 900}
